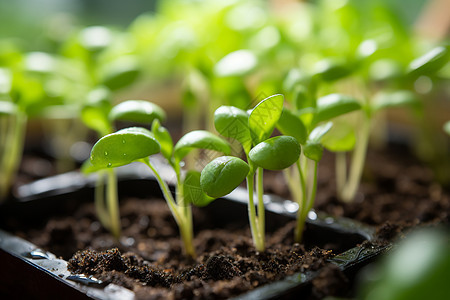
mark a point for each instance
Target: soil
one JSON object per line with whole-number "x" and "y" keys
{"x": 149, "y": 260}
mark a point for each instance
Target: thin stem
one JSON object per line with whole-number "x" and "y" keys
{"x": 301, "y": 201}
{"x": 182, "y": 215}
{"x": 313, "y": 190}
{"x": 341, "y": 171}
{"x": 166, "y": 192}
{"x": 252, "y": 214}
{"x": 261, "y": 210}
{"x": 357, "y": 164}
{"x": 100, "y": 208}
{"x": 113, "y": 203}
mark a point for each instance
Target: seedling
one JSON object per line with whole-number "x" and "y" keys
{"x": 136, "y": 144}
{"x": 98, "y": 115}
{"x": 253, "y": 132}
{"x": 309, "y": 128}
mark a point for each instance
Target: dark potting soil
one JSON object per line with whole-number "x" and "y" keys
{"x": 149, "y": 259}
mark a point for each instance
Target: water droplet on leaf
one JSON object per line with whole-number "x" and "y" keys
{"x": 106, "y": 153}
{"x": 109, "y": 165}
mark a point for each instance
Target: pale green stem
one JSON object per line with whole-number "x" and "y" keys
{"x": 113, "y": 203}
{"x": 182, "y": 215}
{"x": 99, "y": 200}
{"x": 301, "y": 201}
{"x": 313, "y": 189}
{"x": 357, "y": 163}
{"x": 13, "y": 153}
{"x": 261, "y": 210}
{"x": 341, "y": 171}
{"x": 165, "y": 190}
{"x": 252, "y": 215}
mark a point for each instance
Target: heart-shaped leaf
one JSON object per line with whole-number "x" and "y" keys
{"x": 290, "y": 124}
{"x": 430, "y": 62}
{"x": 276, "y": 153}
{"x": 193, "y": 192}
{"x": 123, "y": 147}
{"x": 137, "y": 111}
{"x": 222, "y": 175}
{"x": 232, "y": 122}
{"x": 199, "y": 139}
{"x": 313, "y": 148}
{"x": 264, "y": 117}
{"x": 163, "y": 137}
{"x": 121, "y": 73}
{"x": 395, "y": 99}
{"x": 342, "y": 138}
{"x": 237, "y": 63}
{"x": 334, "y": 105}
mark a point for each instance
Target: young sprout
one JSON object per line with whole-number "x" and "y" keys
{"x": 136, "y": 144}
{"x": 253, "y": 132}
{"x": 345, "y": 137}
{"x": 98, "y": 115}
{"x": 310, "y": 131}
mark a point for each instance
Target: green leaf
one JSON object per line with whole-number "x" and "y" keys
{"x": 447, "y": 127}
{"x": 334, "y": 105}
{"x": 430, "y": 62}
{"x": 222, "y": 175}
{"x": 276, "y": 153}
{"x": 137, "y": 111}
{"x": 317, "y": 134}
{"x": 95, "y": 118}
{"x": 237, "y": 63}
{"x": 120, "y": 73}
{"x": 313, "y": 151}
{"x": 290, "y": 124}
{"x": 88, "y": 168}
{"x": 264, "y": 117}
{"x": 395, "y": 99}
{"x": 193, "y": 192}
{"x": 199, "y": 139}
{"x": 331, "y": 69}
{"x": 232, "y": 122}
{"x": 123, "y": 147}
{"x": 8, "y": 108}
{"x": 313, "y": 148}
{"x": 162, "y": 135}
{"x": 96, "y": 109}
{"x": 341, "y": 138}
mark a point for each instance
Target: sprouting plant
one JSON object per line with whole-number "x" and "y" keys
{"x": 136, "y": 144}
{"x": 98, "y": 115}
{"x": 253, "y": 132}
{"x": 309, "y": 128}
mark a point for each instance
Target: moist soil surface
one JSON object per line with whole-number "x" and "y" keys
{"x": 149, "y": 259}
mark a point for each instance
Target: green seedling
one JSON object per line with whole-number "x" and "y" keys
{"x": 98, "y": 114}
{"x": 252, "y": 130}
{"x": 312, "y": 129}
{"x": 136, "y": 144}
